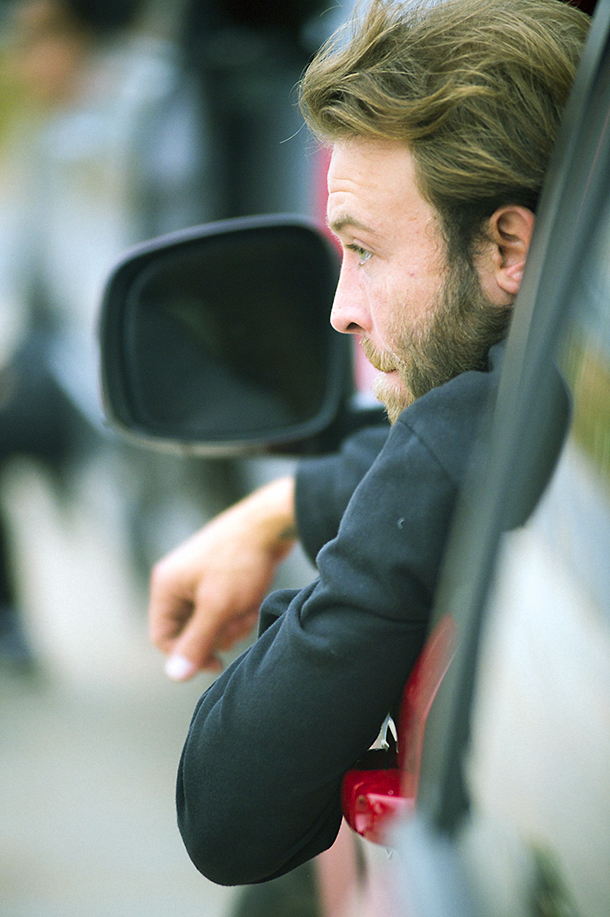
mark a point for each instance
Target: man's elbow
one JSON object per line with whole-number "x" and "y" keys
{"x": 220, "y": 847}
{"x": 237, "y": 840}
{"x": 221, "y": 870}
{"x": 230, "y": 850}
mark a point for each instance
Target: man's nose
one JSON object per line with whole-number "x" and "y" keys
{"x": 349, "y": 313}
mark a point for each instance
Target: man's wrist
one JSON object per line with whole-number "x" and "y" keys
{"x": 273, "y": 513}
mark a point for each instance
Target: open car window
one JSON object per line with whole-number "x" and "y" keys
{"x": 515, "y": 797}
{"x": 540, "y": 756}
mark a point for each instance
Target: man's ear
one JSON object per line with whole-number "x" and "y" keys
{"x": 510, "y": 231}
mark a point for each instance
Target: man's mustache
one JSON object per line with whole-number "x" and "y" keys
{"x": 384, "y": 362}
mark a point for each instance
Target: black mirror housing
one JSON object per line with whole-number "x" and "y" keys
{"x": 216, "y": 340}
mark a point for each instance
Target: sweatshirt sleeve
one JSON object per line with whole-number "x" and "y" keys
{"x": 325, "y": 485}
{"x": 260, "y": 776}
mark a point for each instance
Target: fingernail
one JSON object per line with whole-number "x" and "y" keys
{"x": 179, "y": 669}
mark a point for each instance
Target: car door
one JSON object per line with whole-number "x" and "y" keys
{"x": 514, "y": 806}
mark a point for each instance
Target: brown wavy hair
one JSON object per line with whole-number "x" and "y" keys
{"x": 475, "y": 88}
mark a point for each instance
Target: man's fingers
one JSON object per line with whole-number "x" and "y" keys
{"x": 178, "y": 668}
{"x": 170, "y": 606}
{"x": 205, "y": 594}
{"x": 202, "y": 640}
{"x": 192, "y": 652}
{"x": 166, "y": 624}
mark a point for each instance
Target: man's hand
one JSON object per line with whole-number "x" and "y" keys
{"x": 205, "y": 595}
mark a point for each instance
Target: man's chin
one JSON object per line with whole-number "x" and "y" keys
{"x": 392, "y": 392}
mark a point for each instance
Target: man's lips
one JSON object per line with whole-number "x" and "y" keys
{"x": 382, "y": 367}
{"x": 378, "y": 360}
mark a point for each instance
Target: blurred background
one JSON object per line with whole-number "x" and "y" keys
{"x": 119, "y": 120}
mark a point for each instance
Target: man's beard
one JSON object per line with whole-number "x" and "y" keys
{"x": 463, "y": 326}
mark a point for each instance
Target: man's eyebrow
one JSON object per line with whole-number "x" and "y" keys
{"x": 344, "y": 220}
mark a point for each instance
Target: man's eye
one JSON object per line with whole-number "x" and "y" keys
{"x": 362, "y": 253}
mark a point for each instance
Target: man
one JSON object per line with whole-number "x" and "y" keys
{"x": 441, "y": 117}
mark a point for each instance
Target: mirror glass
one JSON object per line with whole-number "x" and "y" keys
{"x": 227, "y": 337}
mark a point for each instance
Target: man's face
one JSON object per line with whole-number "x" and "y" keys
{"x": 421, "y": 321}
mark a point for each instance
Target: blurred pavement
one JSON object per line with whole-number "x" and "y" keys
{"x": 89, "y": 747}
{"x": 88, "y": 825}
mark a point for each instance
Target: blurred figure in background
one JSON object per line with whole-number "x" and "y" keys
{"x": 105, "y": 146}
{"x": 106, "y": 139}
{"x": 248, "y": 57}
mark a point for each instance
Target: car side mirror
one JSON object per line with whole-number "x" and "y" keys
{"x": 217, "y": 339}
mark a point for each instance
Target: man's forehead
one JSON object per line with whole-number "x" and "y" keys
{"x": 364, "y": 165}
{"x": 372, "y": 188}
{"x": 368, "y": 151}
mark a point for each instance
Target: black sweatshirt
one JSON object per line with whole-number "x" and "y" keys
{"x": 259, "y": 780}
